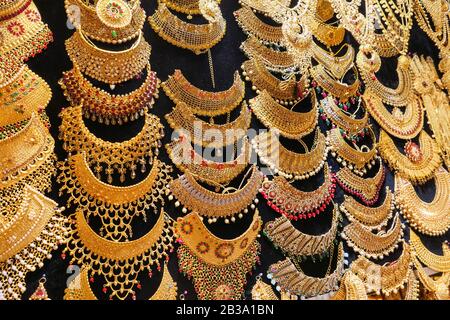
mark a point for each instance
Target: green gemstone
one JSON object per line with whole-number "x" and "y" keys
{"x": 114, "y": 33}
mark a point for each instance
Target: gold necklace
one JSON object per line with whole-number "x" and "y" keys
{"x": 288, "y": 123}
{"x": 351, "y": 288}
{"x": 402, "y": 125}
{"x": 371, "y": 217}
{"x": 288, "y": 278}
{"x": 295, "y": 243}
{"x": 332, "y": 86}
{"x": 419, "y": 162}
{"x": 115, "y": 206}
{"x": 217, "y": 267}
{"x": 28, "y": 159}
{"x": 289, "y": 164}
{"x": 341, "y": 118}
{"x": 185, "y": 157}
{"x": 194, "y": 197}
{"x": 327, "y": 34}
{"x": 108, "y": 66}
{"x": 433, "y": 19}
{"x": 386, "y": 279}
{"x": 119, "y": 263}
{"x": 430, "y": 218}
{"x": 204, "y": 103}
{"x": 337, "y": 65}
{"x": 260, "y": 5}
{"x": 365, "y": 188}
{"x": 436, "y": 262}
{"x": 296, "y": 204}
{"x": 23, "y": 36}
{"x": 273, "y": 59}
{"x": 205, "y": 134}
{"x": 189, "y": 7}
{"x": 80, "y": 289}
{"x": 27, "y": 238}
{"x": 355, "y": 159}
{"x": 438, "y": 288}
{"x": 435, "y": 101}
{"x": 101, "y": 106}
{"x": 396, "y": 29}
{"x": 299, "y": 41}
{"x": 110, "y": 157}
{"x": 370, "y": 245}
{"x": 284, "y": 92}
{"x": 22, "y": 95}
{"x": 87, "y": 18}
{"x": 197, "y": 38}
{"x": 254, "y": 27}
{"x": 369, "y": 62}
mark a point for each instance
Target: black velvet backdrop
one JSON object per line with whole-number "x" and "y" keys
{"x": 164, "y": 59}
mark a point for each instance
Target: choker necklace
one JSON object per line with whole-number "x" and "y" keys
{"x": 115, "y": 206}
{"x": 430, "y": 218}
{"x": 273, "y": 59}
{"x": 117, "y": 157}
{"x": 296, "y": 204}
{"x": 27, "y": 159}
{"x": 386, "y": 279}
{"x": 194, "y": 197}
{"x": 101, "y": 106}
{"x": 370, "y": 245}
{"x": 402, "y": 125}
{"x": 366, "y": 189}
{"x": 341, "y": 118}
{"x": 354, "y": 158}
{"x": 371, "y": 217}
{"x": 332, "y": 86}
{"x": 108, "y": 66}
{"x": 27, "y": 238}
{"x": 189, "y": 7}
{"x": 290, "y": 279}
{"x": 283, "y": 91}
{"x": 419, "y": 162}
{"x": 185, "y": 157}
{"x": 369, "y": 62}
{"x": 22, "y": 95}
{"x": 337, "y": 65}
{"x": 209, "y": 134}
{"x": 351, "y": 288}
{"x": 95, "y": 28}
{"x": 290, "y": 124}
{"x": 297, "y": 244}
{"x": 204, "y": 103}
{"x": 254, "y": 27}
{"x": 218, "y": 267}
{"x": 23, "y": 36}
{"x": 440, "y": 263}
{"x": 118, "y": 262}
{"x": 80, "y": 289}
{"x": 198, "y": 38}
{"x": 289, "y": 164}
